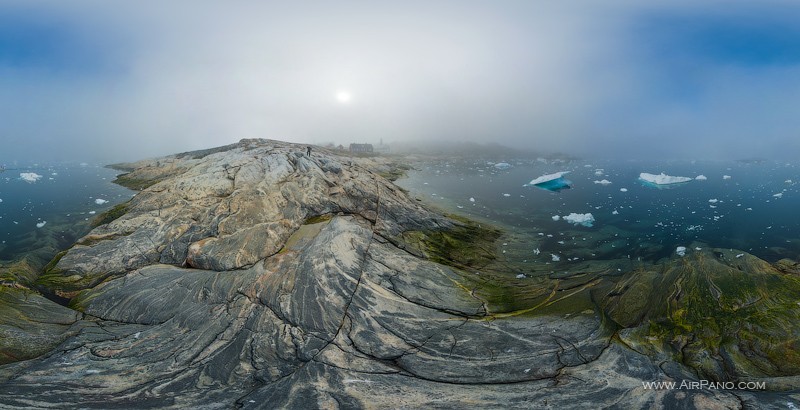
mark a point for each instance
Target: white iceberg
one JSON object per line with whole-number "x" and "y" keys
{"x": 623, "y": 190}
{"x": 681, "y": 251}
{"x": 30, "y": 177}
{"x": 701, "y": 177}
{"x": 713, "y": 201}
{"x": 726, "y": 177}
{"x": 41, "y": 224}
{"x": 662, "y": 179}
{"x": 471, "y": 199}
{"x": 556, "y": 217}
{"x": 551, "y": 182}
{"x": 603, "y": 182}
{"x": 99, "y": 201}
{"x": 502, "y": 165}
{"x": 778, "y": 195}
{"x": 586, "y": 219}
{"x": 555, "y": 257}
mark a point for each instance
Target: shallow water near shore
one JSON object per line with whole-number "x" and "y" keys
{"x": 48, "y": 215}
{"x": 747, "y": 206}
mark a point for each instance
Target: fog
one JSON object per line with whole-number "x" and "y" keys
{"x": 102, "y": 81}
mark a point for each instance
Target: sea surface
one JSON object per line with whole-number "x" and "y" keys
{"x": 46, "y": 214}
{"x": 747, "y": 206}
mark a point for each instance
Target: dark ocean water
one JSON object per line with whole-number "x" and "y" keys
{"x": 54, "y": 210}
{"x": 754, "y": 209}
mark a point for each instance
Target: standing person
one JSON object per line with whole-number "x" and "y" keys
{"x": 308, "y": 150}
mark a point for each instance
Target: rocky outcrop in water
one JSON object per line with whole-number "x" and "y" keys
{"x": 254, "y": 276}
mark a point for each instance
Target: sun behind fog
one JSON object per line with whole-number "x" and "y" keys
{"x": 343, "y": 97}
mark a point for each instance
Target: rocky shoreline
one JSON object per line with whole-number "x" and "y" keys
{"x": 255, "y": 276}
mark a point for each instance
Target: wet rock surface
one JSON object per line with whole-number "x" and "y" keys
{"x": 254, "y": 276}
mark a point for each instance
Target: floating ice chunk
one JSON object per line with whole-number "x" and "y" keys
{"x": 41, "y": 224}
{"x": 586, "y": 219}
{"x": 615, "y": 212}
{"x": 555, "y": 257}
{"x": 521, "y": 276}
{"x": 603, "y": 182}
{"x": 471, "y": 199}
{"x": 502, "y": 165}
{"x": 788, "y": 181}
{"x": 1, "y": 200}
{"x": 623, "y": 190}
{"x": 698, "y": 248}
{"x": 99, "y": 201}
{"x": 701, "y": 177}
{"x": 92, "y": 212}
{"x": 713, "y": 201}
{"x": 506, "y": 195}
{"x": 551, "y": 182}
{"x": 536, "y": 251}
{"x": 778, "y": 195}
{"x": 681, "y": 251}
{"x": 30, "y": 177}
{"x": 598, "y": 172}
{"x": 662, "y": 179}
{"x": 739, "y": 255}
{"x": 726, "y": 177}
{"x": 556, "y": 217}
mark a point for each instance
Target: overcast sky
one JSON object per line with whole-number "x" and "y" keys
{"x": 107, "y": 81}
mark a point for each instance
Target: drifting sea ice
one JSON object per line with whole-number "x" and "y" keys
{"x": 586, "y": 219}
{"x": 551, "y": 182}
{"x": 603, "y": 182}
{"x": 30, "y": 177}
{"x": 99, "y": 201}
{"x": 41, "y": 224}
{"x": 701, "y": 178}
{"x": 662, "y": 179}
{"x": 502, "y": 165}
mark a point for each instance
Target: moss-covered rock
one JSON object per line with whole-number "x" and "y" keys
{"x": 723, "y": 316}
{"x": 111, "y": 215}
{"x": 467, "y": 244}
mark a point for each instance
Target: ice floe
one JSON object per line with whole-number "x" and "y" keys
{"x": 778, "y": 195}
{"x": 586, "y": 219}
{"x": 556, "y": 217}
{"x": 662, "y": 179}
{"x": 726, "y": 177}
{"x": 701, "y": 177}
{"x": 623, "y": 190}
{"x": 502, "y": 165}
{"x": 29, "y": 177}
{"x": 99, "y": 201}
{"x": 41, "y": 224}
{"x": 603, "y": 182}
{"x": 681, "y": 251}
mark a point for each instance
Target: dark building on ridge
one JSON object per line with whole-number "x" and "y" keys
{"x": 361, "y": 148}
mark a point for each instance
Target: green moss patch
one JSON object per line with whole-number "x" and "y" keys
{"x": 111, "y": 215}
{"x": 135, "y": 183}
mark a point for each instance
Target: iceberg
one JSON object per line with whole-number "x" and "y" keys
{"x": 99, "y": 201}
{"x": 551, "y": 182}
{"x": 623, "y": 190}
{"x": 701, "y": 177}
{"x": 556, "y": 217}
{"x": 30, "y": 177}
{"x": 603, "y": 182}
{"x": 41, "y": 224}
{"x": 661, "y": 179}
{"x": 726, "y": 177}
{"x": 681, "y": 251}
{"x": 502, "y": 165}
{"x": 586, "y": 219}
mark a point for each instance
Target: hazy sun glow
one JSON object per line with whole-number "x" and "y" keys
{"x": 343, "y": 97}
